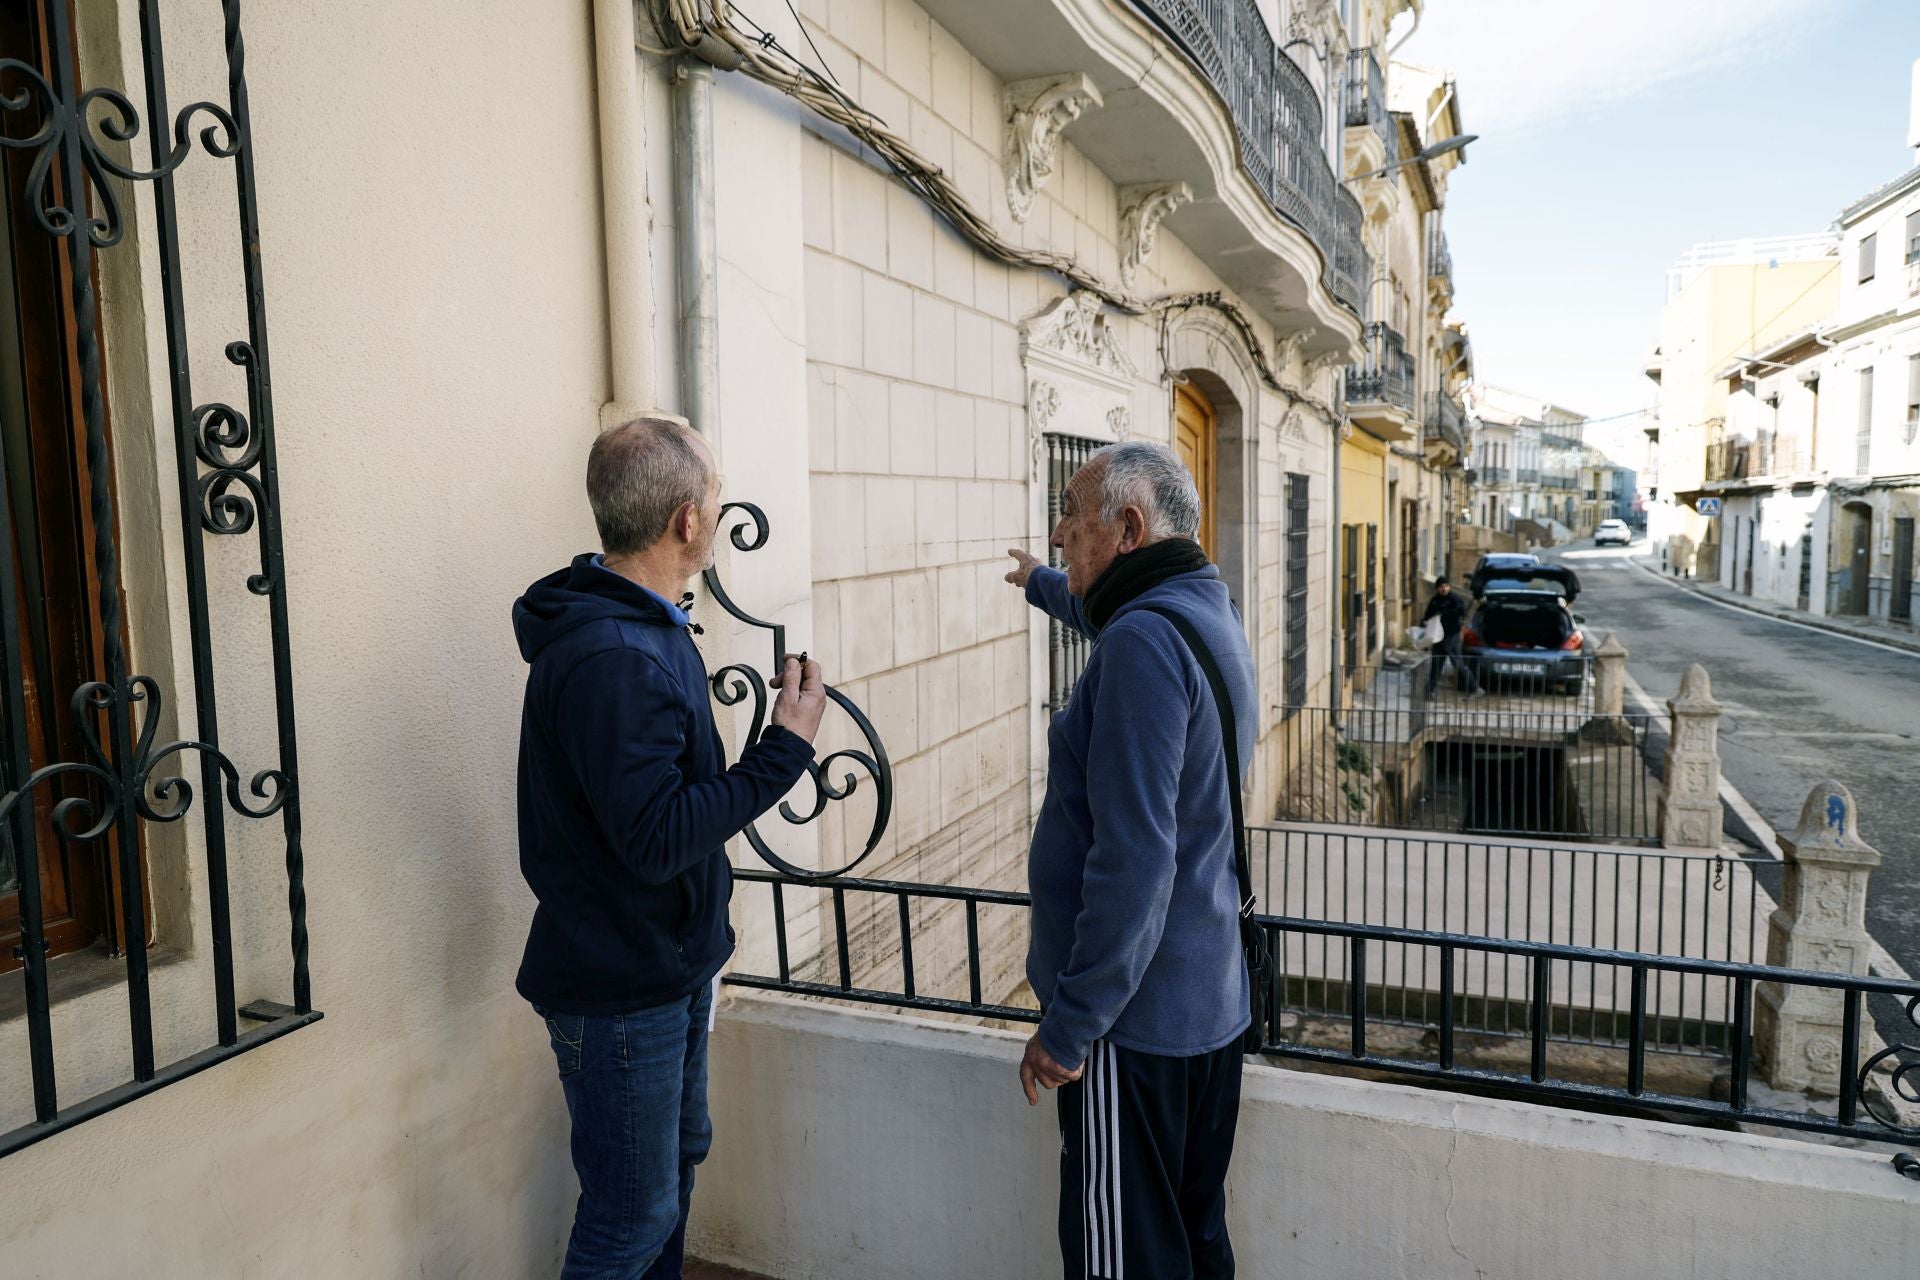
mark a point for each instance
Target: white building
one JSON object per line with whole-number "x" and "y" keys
{"x": 1818, "y": 467}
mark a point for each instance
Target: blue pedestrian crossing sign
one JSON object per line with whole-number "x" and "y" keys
{"x": 1707, "y": 506}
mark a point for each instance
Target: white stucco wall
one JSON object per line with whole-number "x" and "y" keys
{"x": 432, "y": 261}
{"x": 853, "y": 1145}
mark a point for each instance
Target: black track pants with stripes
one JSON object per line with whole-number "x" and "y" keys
{"x": 1145, "y": 1144}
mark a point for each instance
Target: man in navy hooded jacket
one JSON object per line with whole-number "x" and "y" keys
{"x": 626, "y": 805}
{"x": 1135, "y": 951}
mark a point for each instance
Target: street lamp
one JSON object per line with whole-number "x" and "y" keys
{"x": 1438, "y": 149}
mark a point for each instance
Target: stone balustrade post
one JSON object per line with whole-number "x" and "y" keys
{"x": 1821, "y": 924}
{"x": 1610, "y": 677}
{"x": 1690, "y": 800}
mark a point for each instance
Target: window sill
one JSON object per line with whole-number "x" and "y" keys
{"x": 81, "y": 973}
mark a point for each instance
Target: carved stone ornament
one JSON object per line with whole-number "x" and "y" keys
{"x": 1043, "y": 401}
{"x": 1293, "y": 425}
{"x": 1077, "y": 330}
{"x": 1142, "y": 209}
{"x": 1080, "y": 379}
{"x": 1823, "y": 1054}
{"x": 1291, "y": 345}
{"x": 1036, "y": 111}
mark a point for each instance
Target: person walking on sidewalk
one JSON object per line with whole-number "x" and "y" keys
{"x": 626, "y": 805}
{"x": 1136, "y": 949}
{"x": 1451, "y": 609}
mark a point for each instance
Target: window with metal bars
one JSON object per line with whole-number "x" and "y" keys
{"x": 85, "y": 772}
{"x": 1067, "y": 649}
{"x": 1295, "y": 656}
{"x": 1352, "y": 606}
{"x": 1913, "y": 237}
{"x": 1863, "y": 436}
{"x": 1373, "y": 588}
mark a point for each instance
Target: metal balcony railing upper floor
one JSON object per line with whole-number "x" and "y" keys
{"x": 1526, "y": 475}
{"x": 1490, "y": 475}
{"x": 1388, "y": 375}
{"x": 1278, "y": 119}
{"x": 1447, "y": 421}
{"x": 1439, "y": 258}
{"x": 1753, "y": 459}
{"x": 1367, "y": 99}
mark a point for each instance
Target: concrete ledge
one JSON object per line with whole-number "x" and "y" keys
{"x": 852, "y": 1144}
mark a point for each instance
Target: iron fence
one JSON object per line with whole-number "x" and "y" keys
{"x": 1338, "y": 1034}
{"x": 1487, "y": 766}
{"x": 228, "y": 480}
{"x": 1579, "y": 895}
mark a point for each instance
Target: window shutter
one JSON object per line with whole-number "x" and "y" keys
{"x": 1913, "y": 385}
{"x": 1913, "y": 236}
{"x": 1867, "y": 248}
{"x": 1866, "y": 400}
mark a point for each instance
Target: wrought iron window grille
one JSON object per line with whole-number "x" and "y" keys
{"x": 1067, "y": 649}
{"x": 228, "y": 487}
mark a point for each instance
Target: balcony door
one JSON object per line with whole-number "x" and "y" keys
{"x": 1195, "y": 439}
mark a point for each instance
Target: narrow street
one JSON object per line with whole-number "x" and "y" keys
{"x": 1800, "y": 705}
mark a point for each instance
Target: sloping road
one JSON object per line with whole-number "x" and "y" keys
{"x": 1800, "y": 705}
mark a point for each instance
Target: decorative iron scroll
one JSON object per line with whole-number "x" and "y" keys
{"x": 79, "y": 140}
{"x": 1906, "y": 1059}
{"x": 735, "y": 683}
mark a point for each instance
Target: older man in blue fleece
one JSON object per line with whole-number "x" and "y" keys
{"x": 1136, "y": 954}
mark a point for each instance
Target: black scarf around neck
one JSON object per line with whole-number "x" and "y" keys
{"x": 1134, "y": 573}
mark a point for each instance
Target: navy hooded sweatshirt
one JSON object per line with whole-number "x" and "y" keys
{"x": 626, "y": 803}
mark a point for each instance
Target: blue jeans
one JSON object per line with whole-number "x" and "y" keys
{"x": 636, "y": 1086}
{"x": 1448, "y": 650}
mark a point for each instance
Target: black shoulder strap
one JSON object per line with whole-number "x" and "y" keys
{"x": 1229, "y": 731}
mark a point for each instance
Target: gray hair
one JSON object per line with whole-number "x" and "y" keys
{"x": 1151, "y": 477}
{"x": 638, "y": 474}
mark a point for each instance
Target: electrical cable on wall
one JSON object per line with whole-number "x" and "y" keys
{"x": 762, "y": 58}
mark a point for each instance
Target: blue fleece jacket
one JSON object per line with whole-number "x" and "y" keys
{"x": 626, "y": 800}
{"x": 1136, "y": 934}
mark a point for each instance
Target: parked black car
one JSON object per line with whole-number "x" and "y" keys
{"x": 1522, "y": 627}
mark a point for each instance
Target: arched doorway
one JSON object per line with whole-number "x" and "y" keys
{"x": 1195, "y": 439}
{"x": 1859, "y": 545}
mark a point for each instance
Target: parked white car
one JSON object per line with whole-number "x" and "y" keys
{"x": 1612, "y": 533}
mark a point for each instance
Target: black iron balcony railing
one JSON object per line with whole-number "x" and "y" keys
{"x": 1367, "y": 99}
{"x": 1447, "y": 421}
{"x": 1278, "y": 119}
{"x": 1751, "y": 459}
{"x": 1559, "y": 480}
{"x": 1333, "y": 981}
{"x": 1439, "y": 258}
{"x": 1388, "y": 375}
{"x": 1490, "y": 475}
{"x": 1526, "y": 475}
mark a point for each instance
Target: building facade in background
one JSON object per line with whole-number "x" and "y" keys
{"x": 1724, "y": 301}
{"x": 1403, "y": 449}
{"x": 1816, "y": 464}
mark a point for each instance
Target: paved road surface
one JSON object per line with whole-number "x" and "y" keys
{"x": 1801, "y": 705}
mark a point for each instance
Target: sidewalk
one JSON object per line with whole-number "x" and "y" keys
{"x": 1891, "y": 635}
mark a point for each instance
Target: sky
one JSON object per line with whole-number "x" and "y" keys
{"x": 1615, "y": 133}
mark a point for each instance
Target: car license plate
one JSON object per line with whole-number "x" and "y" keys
{"x": 1523, "y": 668}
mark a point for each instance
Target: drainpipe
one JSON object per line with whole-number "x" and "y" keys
{"x": 1417, "y": 15}
{"x": 695, "y": 251}
{"x": 626, "y": 214}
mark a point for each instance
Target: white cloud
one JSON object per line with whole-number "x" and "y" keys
{"x": 1521, "y": 64}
